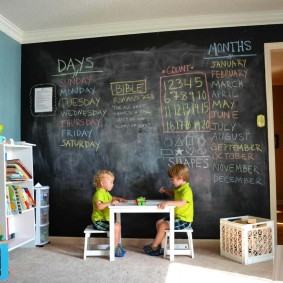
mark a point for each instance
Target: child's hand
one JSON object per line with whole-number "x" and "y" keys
{"x": 114, "y": 202}
{"x": 123, "y": 200}
{"x": 162, "y": 190}
{"x": 163, "y": 205}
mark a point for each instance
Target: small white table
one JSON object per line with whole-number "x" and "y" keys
{"x": 129, "y": 207}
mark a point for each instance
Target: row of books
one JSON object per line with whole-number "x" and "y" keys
{"x": 18, "y": 199}
{"x": 16, "y": 171}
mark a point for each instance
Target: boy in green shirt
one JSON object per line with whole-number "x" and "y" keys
{"x": 103, "y": 181}
{"x": 184, "y": 207}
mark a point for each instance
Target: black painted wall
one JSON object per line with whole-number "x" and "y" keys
{"x": 138, "y": 104}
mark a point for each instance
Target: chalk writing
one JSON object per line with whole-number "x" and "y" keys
{"x": 223, "y": 104}
{"x": 85, "y": 80}
{"x": 171, "y": 70}
{"x": 236, "y": 147}
{"x": 128, "y": 87}
{"x": 74, "y": 64}
{"x": 233, "y": 115}
{"x": 132, "y": 98}
{"x": 130, "y": 108}
{"x": 227, "y": 84}
{"x": 220, "y": 126}
{"x": 224, "y": 94}
{"x": 76, "y": 133}
{"x": 191, "y": 162}
{"x": 190, "y": 150}
{"x": 232, "y": 156}
{"x": 232, "y": 167}
{"x": 231, "y": 47}
{"x": 237, "y": 180}
{"x": 79, "y": 103}
{"x": 79, "y": 122}
{"x": 228, "y": 76}
{"x": 232, "y": 63}
{"x": 80, "y": 144}
{"x": 73, "y": 102}
{"x": 220, "y": 136}
{"x": 184, "y": 101}
{"x": 77, "y": 91}
{"x": 84, "y": 112}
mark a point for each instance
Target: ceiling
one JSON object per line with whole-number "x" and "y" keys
{"x": 29, "y": 21}
{"x": 47, "y": 20}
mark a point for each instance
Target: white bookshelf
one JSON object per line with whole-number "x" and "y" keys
{"x": 21, "y": 225}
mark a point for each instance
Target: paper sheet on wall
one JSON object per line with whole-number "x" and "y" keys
{"x": 43, "y": 99}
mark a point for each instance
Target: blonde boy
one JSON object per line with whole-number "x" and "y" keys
{"x": 103, "y": 181}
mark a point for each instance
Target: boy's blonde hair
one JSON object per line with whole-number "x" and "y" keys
{"x": 179, "y": 170}
{"x": 101, "y": 175}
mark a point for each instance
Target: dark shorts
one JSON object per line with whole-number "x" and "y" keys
{"x": 178, "y": 223}
{"x": 101, "y": 225}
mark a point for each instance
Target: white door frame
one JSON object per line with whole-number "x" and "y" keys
{"x": 268, "y": 48}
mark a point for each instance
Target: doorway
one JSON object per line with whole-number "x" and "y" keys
{"x": 274, "y": 72}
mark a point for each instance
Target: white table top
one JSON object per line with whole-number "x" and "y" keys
{"x": 130, "y": 206}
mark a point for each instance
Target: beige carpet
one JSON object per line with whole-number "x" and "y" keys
{"x": 62, "y": 261}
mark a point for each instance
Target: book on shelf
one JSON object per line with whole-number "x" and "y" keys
{"x": 21, "y": 165}
{"x": 20, "y": 199}
{"x": 14, "y": 177}
{"x": 16, "y": 171}
{"x": 8, "y": 204}
{"x": 30, "y": 197}
{"x": 13, "y": 200}
{"x": 12, "y": 170}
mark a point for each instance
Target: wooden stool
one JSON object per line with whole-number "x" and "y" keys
{"x": 180, "y": 249}
{"x": 97, "y": 250}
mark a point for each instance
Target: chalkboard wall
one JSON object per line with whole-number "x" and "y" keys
{"x": 138, "y": 104}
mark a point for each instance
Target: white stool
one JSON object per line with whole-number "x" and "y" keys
{"x": 98, "y": 250}
{"x": 180, "y": 249}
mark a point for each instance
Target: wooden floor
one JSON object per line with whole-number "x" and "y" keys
{"x": 280, "y": 224}
{"x": 278, "y": 263}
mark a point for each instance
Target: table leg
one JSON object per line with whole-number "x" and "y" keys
{"x": 111, "y": 236}
{"x": 172, "y": 234}
{"x": 118, "y": 219}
